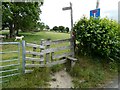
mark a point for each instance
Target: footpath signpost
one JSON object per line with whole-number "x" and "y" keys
{"x": 72, "y": 34}
{"x": 69, "y": 8}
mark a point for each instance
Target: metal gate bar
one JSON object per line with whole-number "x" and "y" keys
{"x": 16, "y": 67}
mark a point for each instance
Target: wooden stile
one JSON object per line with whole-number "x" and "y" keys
{"x": 48, "y": 55}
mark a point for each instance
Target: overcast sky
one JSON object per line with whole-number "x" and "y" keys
{"x": 53, "y": 15}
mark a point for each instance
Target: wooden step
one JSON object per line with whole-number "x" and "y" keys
{"x": 71, "y": 58}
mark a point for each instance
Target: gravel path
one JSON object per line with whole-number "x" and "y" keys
{"x": 61, "y": 79}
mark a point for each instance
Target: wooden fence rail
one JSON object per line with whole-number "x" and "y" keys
{"x": 44, "y": 55}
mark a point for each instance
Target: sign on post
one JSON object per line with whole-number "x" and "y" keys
{"x": 66, "y": 8}
{"x": 95, "y": 13}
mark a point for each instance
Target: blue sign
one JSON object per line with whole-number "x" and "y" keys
{"x": 95, "y": 13}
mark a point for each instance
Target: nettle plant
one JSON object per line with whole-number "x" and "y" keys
{"x": 98, "y": 37}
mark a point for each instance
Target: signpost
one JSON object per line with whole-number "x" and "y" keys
{"x": 95, "y": 13}
{"x": 97, "y": 4}
{"x": 71, "y": 33}
{"x": 66, "y": 8}
{"x": 69, "y": 8}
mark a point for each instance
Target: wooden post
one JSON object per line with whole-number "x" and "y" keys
{"x": 42, "y": 44}
{"x": 68, "y": 65}
{"x": 52, "y": 54}
{"x": 72, "y": 34}
{"x": 48, "y": 54}
{"x": 34, "y": 49}
{"x": 23, "y": 56}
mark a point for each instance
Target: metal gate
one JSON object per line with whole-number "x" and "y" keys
{"x": 10, "y": 60}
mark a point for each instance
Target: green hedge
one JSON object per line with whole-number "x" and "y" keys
{"x": 98, "y": 37}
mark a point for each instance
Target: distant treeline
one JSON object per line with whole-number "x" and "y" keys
{"x": 60, "y": 29}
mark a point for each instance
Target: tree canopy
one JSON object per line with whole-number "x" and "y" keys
{"x": 20, "y": 15}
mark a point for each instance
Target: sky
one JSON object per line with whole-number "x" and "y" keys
{"x": 53, "y": 15}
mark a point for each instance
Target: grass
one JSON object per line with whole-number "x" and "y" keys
{"x": 39, "y": 77}
{"x": 36, "y": 37}
{"x": 87, "y": 72}
{"x": 91, "y": 73}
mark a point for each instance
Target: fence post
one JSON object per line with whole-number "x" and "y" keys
{"x": 48, "y": 54}
{"x": 52, "y": 54}
{"x": 42, "y": 44}
{"x": 34, "y": 49}
{"x": 23, "y": 56}
{"x": 72, "y": 45}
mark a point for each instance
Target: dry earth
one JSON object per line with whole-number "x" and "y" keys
{"x": 61, "y": 79}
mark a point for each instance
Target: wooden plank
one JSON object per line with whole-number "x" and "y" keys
{"x": 45, "y": 65}
{"x": 34, "y": 53}
{"x": 34, "y": 59}
{"x": 35, "y": 45}
{"x": 49, "y": 50}
{"x": 62, "y": 55}
{"x": 57, "y": 41}
{"x": 34, "y": 65}
{"x": 71, "y": 58}
{"x": 56, "y": 62}
{"x": 56, "y": 49}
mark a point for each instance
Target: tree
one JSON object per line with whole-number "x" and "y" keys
{"x": 67, "y": 29}
{"x": 41, "y": 25}
{"x": 61, "y": 28}
{"x": 55, "y": 28}
{"x": 47, "y": 27}
{"x": 20, "y": 15}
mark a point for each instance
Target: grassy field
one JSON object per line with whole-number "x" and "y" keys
{"x": 91, "y": 71}
{"x": 41, "y": 75}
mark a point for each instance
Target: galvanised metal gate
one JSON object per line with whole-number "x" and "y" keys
{"x": 10, "y": 60}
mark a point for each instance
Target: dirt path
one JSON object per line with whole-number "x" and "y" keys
{"x": 61, "y": 79}
{"x": 114, "y": 83}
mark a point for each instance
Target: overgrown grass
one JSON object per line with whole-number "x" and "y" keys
{"x": 91, "y": 73}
